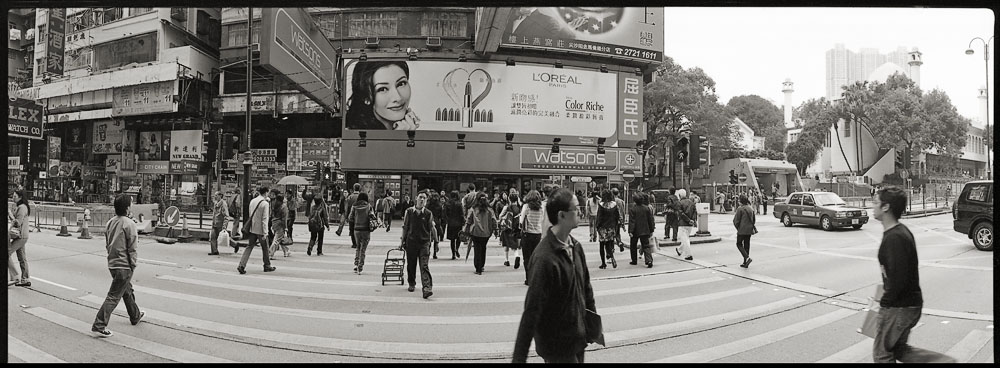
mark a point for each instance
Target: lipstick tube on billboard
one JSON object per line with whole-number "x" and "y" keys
{"x": 467, "y": 106}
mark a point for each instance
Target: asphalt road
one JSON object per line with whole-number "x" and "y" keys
{"x": 801, "y": 300}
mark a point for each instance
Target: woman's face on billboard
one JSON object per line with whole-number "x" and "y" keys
{"x": 392, "y": 93}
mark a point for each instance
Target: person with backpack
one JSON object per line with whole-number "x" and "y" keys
{"x": 346, "y": 206}
{"x": 388, "y": 205}
{"x": 481, "y": 224}
{"x": 510, "y": 233}
{"x": 358, "y": 216}
{"x": 319, "y": 223}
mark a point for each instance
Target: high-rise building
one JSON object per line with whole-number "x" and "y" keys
{"x": 844, "y": 66}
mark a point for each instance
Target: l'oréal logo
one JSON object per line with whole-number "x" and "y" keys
{"x": 554, "y": 78}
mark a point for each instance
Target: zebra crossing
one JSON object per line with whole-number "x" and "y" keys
{"x": 313, "y": 305}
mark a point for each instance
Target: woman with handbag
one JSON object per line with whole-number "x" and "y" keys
{"x": 360, "y": 216}
{"x": 480, "y": 223}
{"x": 531, "y": 227}
{"x": 454, "y": 215}
{"x": 319, "y": 222}
{"x": 745, "y": 221}
{"x": 608, "y": 221}
{"x": 18, "y": 234}
{"x": 510, "y": 232}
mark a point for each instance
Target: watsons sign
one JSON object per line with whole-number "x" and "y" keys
{"x": 568, "y": 159}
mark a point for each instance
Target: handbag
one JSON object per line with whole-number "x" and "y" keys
{"x": 246, "y": 226}
{"x": 594, "y": 326}
{"x": 754, "y": 232}
{"x": 373, "y": 221}
{"x": 14, "y": 232}
{"x": 870, "y": 325}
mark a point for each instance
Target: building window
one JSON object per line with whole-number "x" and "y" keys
{"x": 140, "y": 11}
{"x": 443, "y": 24}
{"x": 79, "y": 58}
{"x": 847, "y": 129}
{"x": 235, "y": 34}
{"x": 329, "y": 24}
{"x": 136, "y": 49}
{"x": 372, "y": 24}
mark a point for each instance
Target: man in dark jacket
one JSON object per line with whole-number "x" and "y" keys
{"x": 348, "y": 204}
{"x": 559, "y": 291}
{"x": 220, "y": 219}
{"x": 640, "y": 228}
{"x": 902, "y": 302}
{"x": 418, "y": 230}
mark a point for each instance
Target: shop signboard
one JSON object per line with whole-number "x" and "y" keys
{"x": 292, "y": 45}
{"x": 113, "y": 163}
{"x": 108, "y": 136}
{"x": 55, "y": 39}
{"x": 13, "y": 162}
{"x": 54, "y": 153}
{"x": 153, "y": 167}
{"x": 143, "y": 99}
{"x": 491, "y": 97}
{"x": 185, "y": 167}
{"x": 24, "y": 119}
{"x": 304, "y": 153}
{"x": 264, "y": 154}
{"x": 568, "y": 159}
{"x": 186, "y": 145}
{"x": 634, "y": 33}
{"x": 631, "y": 126}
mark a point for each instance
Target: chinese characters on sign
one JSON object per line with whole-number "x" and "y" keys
{"x": 108, "y": 136}
{"x": 631, "y": 33}
{"x": 631, "y": 128}
{"x": 143, "y": 99}
{"x": 55, "y": 37}
{"x": 304, "y": 153}
{"x": 185, "y": 145}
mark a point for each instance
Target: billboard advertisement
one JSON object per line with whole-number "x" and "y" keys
{"x": 185, "y": 145}
{"x": 630, "y": 33}
{"x": 304, "y": 153}
{"x": 24, "y": 119}
{"x": 143, "y": 99}
{"x": 292, "y": 45}
{"x": 479, "y": 97}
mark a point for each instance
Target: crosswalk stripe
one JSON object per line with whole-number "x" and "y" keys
{"x": 29, "y": 354}
{"x": 431, "y": 320}
{"x": 53, "y": 283}
{"x": 971, "y": 344}
{"x": 484, "y": 350}
{"x": 851, "y": 354}
{"x": 477, "y": 285}
{"x": 135, "y": 343}
{"x": 638, "y": 334}
{"x": 739, "y": 346}
{"x": 390, "y": 299}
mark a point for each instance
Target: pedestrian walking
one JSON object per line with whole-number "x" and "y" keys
{"x": 236, "y": 212}
{"x": 346, "y": 207}
{"x": 671, "y": 216}
{"x": 531, "y": 228}
{"x": 687, "y": 217}
{"x": 19, "y": 237}
{"x": 319, "y": 224}
{"x": 120, "y": 240}
{"x": 621, "y": 211}
{"x": 388, "y": 205}
{"x": 418, "y": 230}
{"x": 640, "y": 227}
{"x": 220, "y": 220}
{"x": 560, "y": 293}
{"x": 763, "y": 201}
{"x": 357, "y": 217}
{"x": 292, "y": 202}
{"x": 256, "y": 231}
{"x": 455, "y": 219}
{"x": 510, "y": 232}
{"x": 745, "y": 221}
{"x": 592, "y": 205}
{"x": 902, "y": 302}
{"x": 467, "y": 201}
{"x": 720, "y": 201}
{"x": 608, "y": 221}
{"x": 437, "y": 209}
{"x": 481, "y": 224}
{"x": 279, "y": 219}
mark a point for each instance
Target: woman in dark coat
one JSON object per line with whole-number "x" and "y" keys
{"x": 437, "y": 210}
{"x": 456, "y": 219}
{"x": 608, "y": 221}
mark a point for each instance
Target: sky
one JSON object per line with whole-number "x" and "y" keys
{"x": 753, "y": 50}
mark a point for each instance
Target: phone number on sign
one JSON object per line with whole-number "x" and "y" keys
{"x": 630, "y": 52}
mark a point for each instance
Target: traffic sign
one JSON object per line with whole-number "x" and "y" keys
{"x": 904, "y": 173}
{"x": 593, "y": 185}
{"x": 743, "y": 177}
{"x": 248, "y": 158}
{"x": 580, "y": 179}
{"x": 171, "y": 216}
{"x": 628, "y": 175}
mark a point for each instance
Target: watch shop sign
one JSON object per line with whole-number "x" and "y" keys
{"x": 24, "y": 119}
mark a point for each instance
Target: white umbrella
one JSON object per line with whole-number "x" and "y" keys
{"x": 293, "y": 180}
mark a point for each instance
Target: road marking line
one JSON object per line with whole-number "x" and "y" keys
{"x": 434, "y": 320}
{"x": 53, "y": 283}
{"x": 480, "y": 350}
{"x": 153, "y": 261}
{"x": 390, "y": 299}
{"x": 802, "y": 239}
{"x": 135, "y": 343}
{"x": 851, "y": 354}
{"x": 29, "y": 354}
{"x": 871, "y": 259}
{"x": 965, "y": 349}
{"x": 739, "y": 346}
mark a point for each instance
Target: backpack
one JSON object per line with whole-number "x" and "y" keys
{"x": 315, "y": 220}
{"x": 509, "y": 222}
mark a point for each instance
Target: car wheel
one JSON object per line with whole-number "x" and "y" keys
{"x": 856, "y": 227}
{"x": 786, "y": 220}
{"x": 825, "y": 223}
{"x": 982, "y": 236}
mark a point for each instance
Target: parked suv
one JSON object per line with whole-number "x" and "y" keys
{"x": 973, "y": 213}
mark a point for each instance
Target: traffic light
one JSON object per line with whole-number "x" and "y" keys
{"x": 318, "y": 172}
{"x": 732, "y": 177}
{"x": 326, "y": 174}
{"x": 681, "y": 146}
{"x": 698, "y": 151}
{"x": 650, "y": 170}
{"x": 227, "y": 146}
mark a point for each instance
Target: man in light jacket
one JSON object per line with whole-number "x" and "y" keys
{"x": 259, "y": 210}
{"x": 120, "y": 240}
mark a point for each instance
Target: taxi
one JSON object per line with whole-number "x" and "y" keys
{"x": 825, "y": 209}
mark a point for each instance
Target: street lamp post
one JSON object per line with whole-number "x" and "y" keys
{"x": 245, "y": 143}
{"x": 986, "y": 59}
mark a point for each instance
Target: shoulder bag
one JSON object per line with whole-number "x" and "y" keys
{"x": 246, "y": 226}
{"x": 373, "y": 221}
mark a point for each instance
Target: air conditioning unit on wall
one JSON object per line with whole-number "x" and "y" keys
{"x": 371, "y": 42}
{"x": 433, "y": 42}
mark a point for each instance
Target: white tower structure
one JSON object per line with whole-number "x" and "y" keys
{"x": 983, "y": 105}
{"x": 786, "y": 87}
{"x": 915, "y": 60}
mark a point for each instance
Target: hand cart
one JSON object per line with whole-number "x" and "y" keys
{"x": 393, "y": 269}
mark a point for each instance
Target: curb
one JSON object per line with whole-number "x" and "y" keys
{"x": 694, "y": 240}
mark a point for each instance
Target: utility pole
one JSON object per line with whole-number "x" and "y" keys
{"x": 245, "y": 144}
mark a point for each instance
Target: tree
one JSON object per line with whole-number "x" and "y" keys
{"x": 817, "y": 115}
{"x": 762, "y": 116}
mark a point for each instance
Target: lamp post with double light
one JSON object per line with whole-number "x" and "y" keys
{"x": 986, "y": 59}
